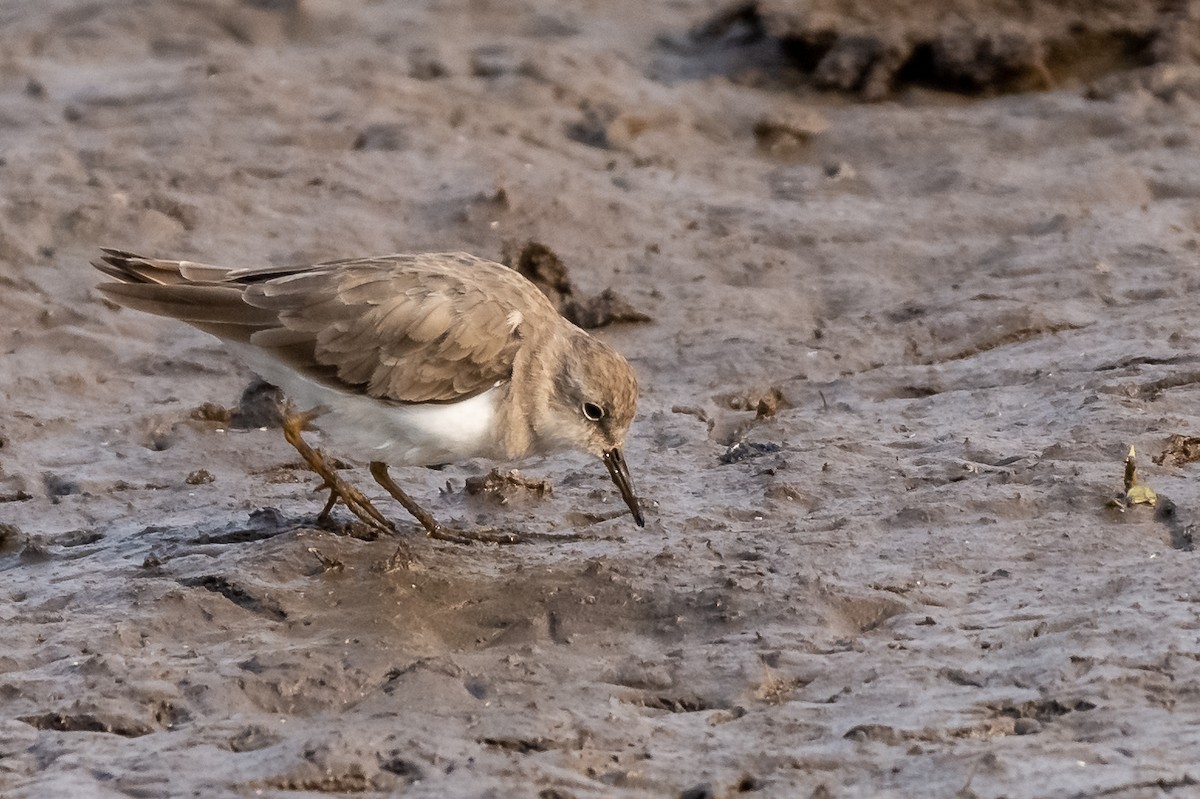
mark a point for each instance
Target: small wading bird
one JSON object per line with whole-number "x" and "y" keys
{"x": 404, "y": 360}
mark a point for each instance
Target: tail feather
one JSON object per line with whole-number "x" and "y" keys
{"x": 130, "y": 268}
{"x": 198, "y": 294}
{"x": 191, "y": 303}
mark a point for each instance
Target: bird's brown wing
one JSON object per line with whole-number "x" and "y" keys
{"x": 418, "y": 328}
{"x": 434, "y": 327}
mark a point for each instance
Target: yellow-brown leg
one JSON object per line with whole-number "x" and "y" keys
{"x": 434, "y": 530}
{"x": 355, "y": 500}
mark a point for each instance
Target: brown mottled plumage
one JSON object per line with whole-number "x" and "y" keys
{"x": 405, "y": 359}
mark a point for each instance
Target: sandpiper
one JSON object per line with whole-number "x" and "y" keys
{"x": 404, "y": 360}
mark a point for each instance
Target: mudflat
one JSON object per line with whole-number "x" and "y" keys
{"x": 901, "y": 290}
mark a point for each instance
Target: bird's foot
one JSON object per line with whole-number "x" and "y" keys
{"x": 404, "y": 557}
{"x": 356, "y": 502}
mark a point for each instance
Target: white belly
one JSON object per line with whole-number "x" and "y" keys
{"x": 365, "y": 429}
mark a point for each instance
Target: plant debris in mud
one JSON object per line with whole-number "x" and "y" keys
{"x": 745, "y": 450}
{"x": 327, "y": 563}
{"x": 765, "y": 404}
{"x": 501, "y": 488}
{"x": 199, "y": 477}
{"x": 1166, "y": 512}
{"x": 1136, "y": 493}
{"x": 545, "y": 269}
{"x": 1180, "y": 450}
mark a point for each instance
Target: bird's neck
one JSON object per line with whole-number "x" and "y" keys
{"x": 519, "y": 417}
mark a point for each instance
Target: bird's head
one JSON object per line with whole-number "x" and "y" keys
{"x": 590, "y": 408}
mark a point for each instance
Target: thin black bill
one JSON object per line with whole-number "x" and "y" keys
{"x": 620, "y": 475}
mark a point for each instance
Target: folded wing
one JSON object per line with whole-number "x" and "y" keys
{"x": 405, "y": 328}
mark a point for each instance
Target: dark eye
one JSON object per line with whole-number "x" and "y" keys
{"x": 593, "y": 411}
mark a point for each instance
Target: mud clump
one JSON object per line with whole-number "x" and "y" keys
{"x": 545, "y": 269}
{"x": 765, "y": 404}
{"x": 211, "y": 412}
{"x": 502, "y": 488}
{"x": 1180, "y": 450}
{"x": 11, "y": 538}
{"x": 382, "y": 137}
{"x": 199, "y": 477}
{"x": 872, "y": 48}
{"x": 261, "y": 405}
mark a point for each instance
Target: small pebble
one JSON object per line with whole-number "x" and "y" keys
{"x": 383, "y": 136}
{"x": 1027, "y": 726}
{"x": 701, "y": 791}
{"x": 493, "y": 60}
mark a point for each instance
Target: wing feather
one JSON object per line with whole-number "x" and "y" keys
{"x": 405, "y": 328}
{"x": 428, "y": 328}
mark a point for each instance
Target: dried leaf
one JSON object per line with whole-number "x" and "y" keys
{"x": 1141, "y": 495}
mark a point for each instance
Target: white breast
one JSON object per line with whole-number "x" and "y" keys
{"x": 366, "y": 429}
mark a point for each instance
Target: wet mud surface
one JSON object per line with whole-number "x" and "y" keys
{"x": 896, "y": 355}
